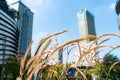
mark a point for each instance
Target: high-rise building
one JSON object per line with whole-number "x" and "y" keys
{"x": 25, "y": 25}
{"x": 86, "y": 27}
{"x": 8, "y": 38}
{"x": 8, "y": 35}
{"x": 86, "y": 23}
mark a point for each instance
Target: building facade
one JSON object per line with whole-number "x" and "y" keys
{"x": 86, "y": 23}
{"x": 8, "y": 36}
{"x": 25, "y": 25}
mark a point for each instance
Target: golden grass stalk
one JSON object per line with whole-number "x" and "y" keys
{"x": 89, "y": 51}
{"x": 113, "y": 48}
{"x": 72, "y": 41}
{"x": 103, "y": 35}
{"x": 44, "y": 39}
{"x": 112, "y": 66}
{"x": 34, "y": 64}
{"x": 24, "y": 59}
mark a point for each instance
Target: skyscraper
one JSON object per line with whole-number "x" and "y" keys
{"x": 86, "y": 27}
{"x": 25, "y": 25}
{"x": 86, "y": 23}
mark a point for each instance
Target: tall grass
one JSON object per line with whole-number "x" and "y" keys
{"x": 37, "y": 64}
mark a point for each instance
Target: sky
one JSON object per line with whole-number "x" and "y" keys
{"x": 52, "y": 16}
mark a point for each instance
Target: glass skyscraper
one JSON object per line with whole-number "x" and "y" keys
{"x": 86, "y": 23}
{"x": 25, "y": 25}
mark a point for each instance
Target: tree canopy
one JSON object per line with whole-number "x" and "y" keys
{"x": 114, "y": 73}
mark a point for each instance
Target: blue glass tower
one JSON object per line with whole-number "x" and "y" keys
{"x": 25, "y": 25}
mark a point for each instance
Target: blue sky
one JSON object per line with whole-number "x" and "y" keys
{"x": 56, "y": 15}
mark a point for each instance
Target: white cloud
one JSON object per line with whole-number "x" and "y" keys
{"x": 112, "y": 6}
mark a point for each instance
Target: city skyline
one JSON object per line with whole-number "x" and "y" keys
{"x": 53, "y": 16}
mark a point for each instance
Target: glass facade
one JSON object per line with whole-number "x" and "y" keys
{"x": 8, "y": 36}
{"x": 86, "y": 23}
{"x": 24, "y": 23}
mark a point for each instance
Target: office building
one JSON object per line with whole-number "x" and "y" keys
{"x": 86, "y": 27}
{"x": 8, "y": 35}
{"x": 25, "y": 25}
{"x": 86, "y": 23}
{"x": 8, "y": 38}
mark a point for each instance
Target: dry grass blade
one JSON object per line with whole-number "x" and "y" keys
{"x": 72, "y": 41}
{"x": 113, "y": 48}
{"x": 89, "y": 51}
{"x": 103, "y": 36}
{"x": 103, "y": 41}
{"x": 38, "y": 57}
{"x": 36, "y": 63}
{"x": 18, "y": 78}
{"x": 30, "y": 62}
{"x": 24, "y": 59}
{"x": 112, "y": 66}
{"x": 98, "y": 52}
{"x": 45, "y": 47}
{"x": 36, "y": 69}
{"x": 32, "y": 65}
{"x": 51, "y": 70}
{"x": 44, "y": 39}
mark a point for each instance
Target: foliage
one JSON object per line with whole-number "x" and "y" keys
{"x": 12, "y": 11}
{"x": 114, "y": 73}
{"x": 12, "y": 68}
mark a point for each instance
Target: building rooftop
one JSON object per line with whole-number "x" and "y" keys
{"x": 13, "y": 5}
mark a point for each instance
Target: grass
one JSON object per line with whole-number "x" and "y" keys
{"x": 37, "y": 64}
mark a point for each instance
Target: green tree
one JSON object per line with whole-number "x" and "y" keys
{"x": 12, "y": 68}
{"x": 114, "y": 74}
